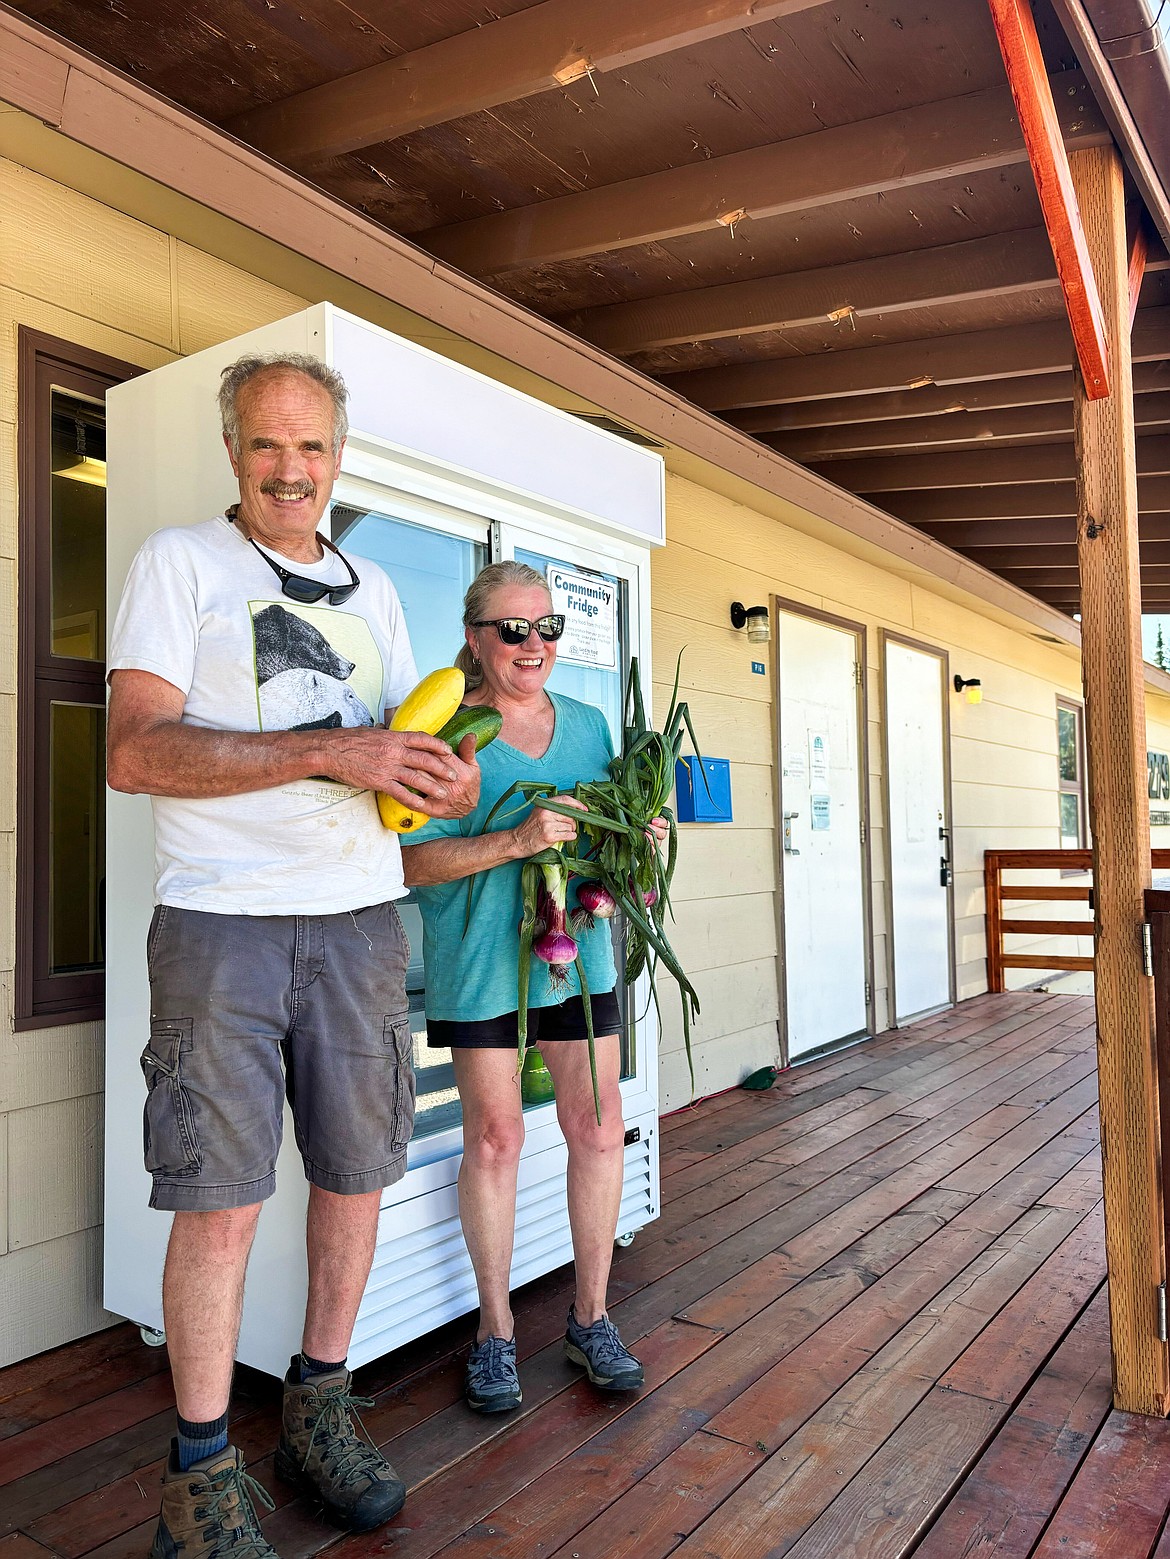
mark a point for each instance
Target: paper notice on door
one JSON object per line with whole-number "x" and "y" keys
{"x": 818, "y": 760}
{"x": 589, "y": 604}
{"x": 795, "y": 763}
{"x": 821, "y": 819}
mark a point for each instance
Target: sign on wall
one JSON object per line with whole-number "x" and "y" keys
{"x": 590, "y": 607}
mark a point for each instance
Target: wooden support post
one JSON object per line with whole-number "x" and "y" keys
{"x": 1107, "y": 551}
{"x": 994, "y": 912}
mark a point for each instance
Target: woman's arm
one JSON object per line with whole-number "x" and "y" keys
{"x": 446, "y": 860}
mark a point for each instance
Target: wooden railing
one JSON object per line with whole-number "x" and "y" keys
{"x": 995, "y": 863}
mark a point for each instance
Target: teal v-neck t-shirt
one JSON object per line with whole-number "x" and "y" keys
{"x": 474, "y": 977}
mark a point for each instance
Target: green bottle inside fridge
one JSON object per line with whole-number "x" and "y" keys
{"x": 536, "y": 1084}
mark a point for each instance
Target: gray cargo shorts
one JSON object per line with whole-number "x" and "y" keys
{"x": 248, "y": 1009}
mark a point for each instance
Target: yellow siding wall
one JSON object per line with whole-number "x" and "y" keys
{"x": 1003, "y": 754}
{"x": 76, "y": 269}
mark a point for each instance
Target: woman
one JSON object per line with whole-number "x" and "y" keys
{"x": 511, "y": 648}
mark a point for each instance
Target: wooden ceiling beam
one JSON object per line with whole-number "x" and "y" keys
{"x": 920, "y": 434}
{"x": 1006, "y": 352}
{"x": 932, "y": 400}
{"x": 984, "y": 467}
{"x": 1003, "y": 559}
{"x": 894, "y": 151}
{"x": 1042, "y": 500}
{"x": 1059, "y": 578}
{"x": 1019, "y": 43}
{"x": 995, "y": 266}
{"x": 536, "y": 50}
{"x": 1013, "y": 533}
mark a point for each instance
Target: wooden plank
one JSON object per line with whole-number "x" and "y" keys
{"x": 1118, "y": 1500}
{"x": 47, "y": 1443}
{"x": 1042, "y": 961}
{"x": 536, "y": 50}
{"x": 1045, "y": 891}
{"x": 1047, "y": 927}
{"x": 1019, "y": 43}
{"x": 1081, "y": 1188}
{"x": 1054, "y": 462}
{"x": 1006, "y": 352}
{"x": 40, "y": 1403}
{"x": 894, "y": 151}
{"x": 806, "y": 1469}
{"x": 932, "y": 400}
{"x": 1139, "y": 259}
{"x": 1006, "y": 1501}
{"x": 994, "y": 914}
{"x": 1023, "y": 425}
{"x": 1115, "y": 697}
{"x": 19, "y": 1546}
{"x": 925, "y": 278}
{"x": 33, "y": 78}
{"x": 1021, "y": 501}
{"x": 813, "y": 1368}
{"x": 1000, "y": 1363}
{"x": 115, "y": 1349}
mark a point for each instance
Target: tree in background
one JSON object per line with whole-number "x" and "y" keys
{"x": 1160, "y": 650}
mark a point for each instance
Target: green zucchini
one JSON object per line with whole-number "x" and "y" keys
{"x": 480, "y": 721}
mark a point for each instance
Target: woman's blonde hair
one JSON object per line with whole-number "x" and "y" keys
{"x": 475, "y": 605}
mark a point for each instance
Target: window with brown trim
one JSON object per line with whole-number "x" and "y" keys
{"x": 1070, "y": 757}
{"x": 61, "y": 710}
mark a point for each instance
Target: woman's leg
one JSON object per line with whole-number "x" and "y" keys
{"x": 595, "y": 1160}
{"x": 493, "y": 1134}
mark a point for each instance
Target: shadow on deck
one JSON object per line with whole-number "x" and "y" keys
{"x": 874, "y": 1322}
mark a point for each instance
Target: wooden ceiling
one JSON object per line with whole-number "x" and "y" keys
{"x": 820, "y": 225}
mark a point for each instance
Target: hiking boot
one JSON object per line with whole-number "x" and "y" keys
{"x": 320, "y": 1453}
{"x": 493, "y": 1381}
{"x": 208, "y": 1511}
{"x": 603, "y": 1356}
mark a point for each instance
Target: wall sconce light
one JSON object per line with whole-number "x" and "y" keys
{"x": 972, "y": 686}
{"x": 754, "y": 618}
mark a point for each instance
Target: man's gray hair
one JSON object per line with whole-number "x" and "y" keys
{"x": 236, "y": 375}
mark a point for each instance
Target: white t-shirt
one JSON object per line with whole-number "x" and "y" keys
{"x": 203, "y": 611}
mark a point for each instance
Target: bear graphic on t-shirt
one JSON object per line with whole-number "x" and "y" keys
{"x": 301, "y": 677}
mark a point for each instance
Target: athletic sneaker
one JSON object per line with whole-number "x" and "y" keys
{"x": 603, "y": 1356}
{"x": 493, "y": 1381}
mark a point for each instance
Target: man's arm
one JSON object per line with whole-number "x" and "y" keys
{"x": 150, "y": 751}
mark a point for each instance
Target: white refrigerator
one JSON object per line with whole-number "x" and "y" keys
{"x": 444, "y": 470}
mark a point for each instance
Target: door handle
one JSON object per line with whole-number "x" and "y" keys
{"x": 945, "y": 875}
{"x": 788, "y": 821}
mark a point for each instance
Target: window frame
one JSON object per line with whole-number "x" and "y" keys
{"x": 46, "y": 363}
{"x": 1079, "y": 786}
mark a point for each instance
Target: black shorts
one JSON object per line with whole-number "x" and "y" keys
{"x": 566, "y": 1020}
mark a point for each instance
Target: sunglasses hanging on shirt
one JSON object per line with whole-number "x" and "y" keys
{"x": 298, "y": 587}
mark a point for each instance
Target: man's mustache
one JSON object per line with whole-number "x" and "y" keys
{"x": 276, "y": 489}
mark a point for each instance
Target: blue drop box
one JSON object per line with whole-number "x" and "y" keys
{"x": 699, "y": 803}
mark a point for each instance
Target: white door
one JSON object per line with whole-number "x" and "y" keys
{"x": 825, "y": 944}
{"x": 919, "y": 831}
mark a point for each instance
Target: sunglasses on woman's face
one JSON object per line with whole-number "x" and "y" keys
{"x": 515, "y": 630}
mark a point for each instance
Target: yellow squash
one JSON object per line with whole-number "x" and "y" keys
{"x": 427, "y": 708}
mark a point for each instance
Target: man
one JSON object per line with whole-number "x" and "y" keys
{"x": 248, "y": 667}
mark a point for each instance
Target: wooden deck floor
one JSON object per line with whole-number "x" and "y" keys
{"x": 874, "y": 1322}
